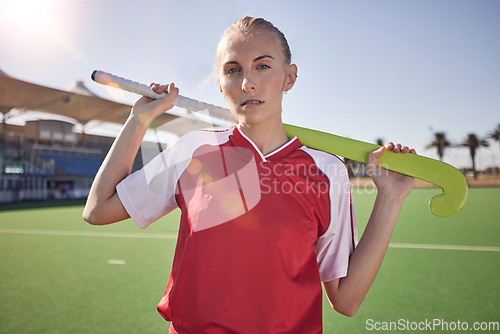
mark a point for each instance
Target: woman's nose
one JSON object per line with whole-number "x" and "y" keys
{"x": 248, "y": 83}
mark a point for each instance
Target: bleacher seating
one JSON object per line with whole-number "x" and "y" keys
{"x": 41, "y": 171}
{"x": 33, "y": 168}
{"x": 74, "y": 165}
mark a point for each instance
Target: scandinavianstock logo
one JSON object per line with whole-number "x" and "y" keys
{"x": 216, "y": 184}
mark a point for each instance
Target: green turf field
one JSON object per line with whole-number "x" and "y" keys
{"x": 60, "y": 275}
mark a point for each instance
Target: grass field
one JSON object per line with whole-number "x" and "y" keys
{"x": 60, "y": 275}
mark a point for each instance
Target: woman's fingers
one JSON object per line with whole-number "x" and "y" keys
{"x": 167, "y": 89}
{"x": 397, "y": 148}
{"x": 159, "y": 89}
{"x": 146, "y": 109}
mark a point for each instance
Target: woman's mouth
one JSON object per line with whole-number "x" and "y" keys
{"x": 251, "y": 102}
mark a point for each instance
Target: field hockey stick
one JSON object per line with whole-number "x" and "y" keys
{"x": 448, "y": 178}
{"x": 451, "y": 181}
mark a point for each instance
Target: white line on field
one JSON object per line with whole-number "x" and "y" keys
{"x": 90, "y": 234}
{"x": 174, "y": 236}
{"x": 446, "y": 247}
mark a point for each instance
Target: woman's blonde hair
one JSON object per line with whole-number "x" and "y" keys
{"x": 248, "y": 25}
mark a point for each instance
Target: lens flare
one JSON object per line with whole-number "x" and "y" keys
{"x": 28, "y": 14}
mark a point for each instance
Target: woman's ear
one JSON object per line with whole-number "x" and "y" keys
{"x": 291, "y": 77}
{"x": 220, "y": 88}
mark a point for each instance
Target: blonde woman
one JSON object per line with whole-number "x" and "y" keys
{"x": 264, "y": 219}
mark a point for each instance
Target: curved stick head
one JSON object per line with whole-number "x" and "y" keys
{"x": 450, "y": 201}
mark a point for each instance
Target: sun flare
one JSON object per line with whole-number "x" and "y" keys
{"x": 28, "y": 13}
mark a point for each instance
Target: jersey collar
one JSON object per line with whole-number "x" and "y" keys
{"x": 279, "y": 153}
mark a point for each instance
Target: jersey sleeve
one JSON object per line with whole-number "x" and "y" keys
{"x": 149, "y": 193}
{"x": 337, "y": 243}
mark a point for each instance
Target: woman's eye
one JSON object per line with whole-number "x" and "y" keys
{"x": 232, "y": 70}
{"x": 263, "y": 67}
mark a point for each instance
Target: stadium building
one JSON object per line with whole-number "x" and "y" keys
{"x": 47, "y": 159}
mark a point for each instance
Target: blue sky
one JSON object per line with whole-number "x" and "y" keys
{"x": 397, "y": 70}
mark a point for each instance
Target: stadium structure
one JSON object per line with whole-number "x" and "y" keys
{"x": 47, "y": 159}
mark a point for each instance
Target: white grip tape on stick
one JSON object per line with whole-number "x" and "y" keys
{"x": 112, "y": 80}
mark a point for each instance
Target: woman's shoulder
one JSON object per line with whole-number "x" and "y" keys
{"x": 319, "y": 155}
{"x": 326, "y": 162}
{"x": 205, "y": 136}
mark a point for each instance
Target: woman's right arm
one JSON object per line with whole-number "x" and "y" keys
{"x": 103, "y": 205}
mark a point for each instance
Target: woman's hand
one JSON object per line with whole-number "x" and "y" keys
{"x": 392, "y": 183}
{"x": 146, "y": 110}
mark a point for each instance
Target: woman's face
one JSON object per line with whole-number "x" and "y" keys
{"x": 253, "y": 75}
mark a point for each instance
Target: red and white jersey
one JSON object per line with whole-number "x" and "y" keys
{"x": 258, "y": 233}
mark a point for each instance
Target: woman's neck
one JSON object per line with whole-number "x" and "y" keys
{"x": 267, "y": 137}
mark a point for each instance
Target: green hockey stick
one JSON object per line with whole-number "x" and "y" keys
{"x": 448, "y": 178}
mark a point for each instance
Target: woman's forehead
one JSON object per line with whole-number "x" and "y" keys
{"x": 239, "y": 46}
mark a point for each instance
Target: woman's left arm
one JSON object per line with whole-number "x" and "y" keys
{"x": 347, "y": 293}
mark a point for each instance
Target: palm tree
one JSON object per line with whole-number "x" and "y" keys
{"x": 473, "y": 143}
{"x": 495, "y": 134}
{"x": 441, "y": 143}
